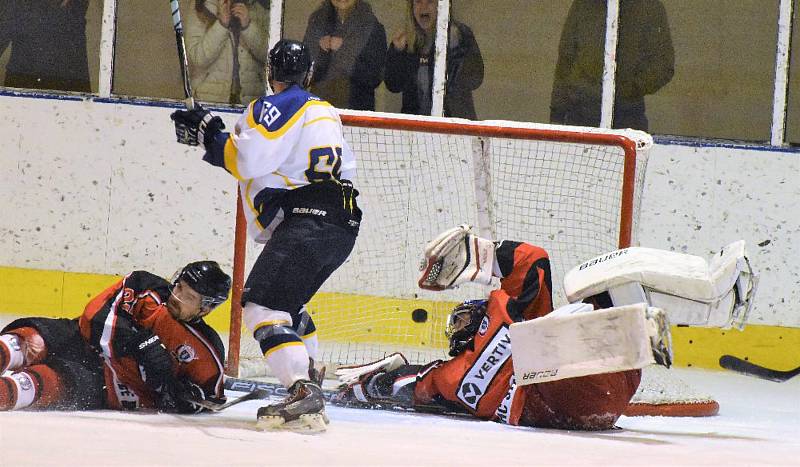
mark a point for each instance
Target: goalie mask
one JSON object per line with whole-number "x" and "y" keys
{"x": 209, "y": 287}
{"x": 462, "y": 324}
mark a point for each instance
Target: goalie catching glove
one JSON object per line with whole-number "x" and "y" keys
{"x": 454, "y": 257}
{"x": 196, "y": 126}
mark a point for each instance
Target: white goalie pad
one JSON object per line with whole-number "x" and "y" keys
{"x": 691, "y": 291}
{"x": 351, "y": 374}
{"x": 579, "y": 341}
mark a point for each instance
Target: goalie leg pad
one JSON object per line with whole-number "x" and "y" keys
{"x": 352, "y": 374}
{"x": 692, "y": 292}
{"x": 568, "y": 345}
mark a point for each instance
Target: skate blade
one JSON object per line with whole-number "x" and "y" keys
{"x": 307, "y": 423}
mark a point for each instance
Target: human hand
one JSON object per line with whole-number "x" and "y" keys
{"x": 325, "y": 43}
{"x": 196, "y": 126}
{"x": 239, "y": 10}
{"x": 400, "y": 40}
{"x": 180, "y": 395}
{"x": 336, "y": 42}
{"x": 224, "y": 13}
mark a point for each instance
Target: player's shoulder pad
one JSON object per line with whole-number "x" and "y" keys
{"x": 141, "y": 281}
{"x": 280, "y": 111}
{"x": 209, "y": 333}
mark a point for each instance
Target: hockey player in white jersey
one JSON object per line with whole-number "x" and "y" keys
{"x": 295, "y": 173}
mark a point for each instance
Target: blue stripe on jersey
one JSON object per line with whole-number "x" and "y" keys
{"x": 267, "y": 204}
{"x": 274, "y": 111}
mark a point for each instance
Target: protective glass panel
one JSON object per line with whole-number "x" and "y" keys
{"x": 226, "y": 47}
{"x": 348, "y": 40}
{"x": 793, "y": 110}
{"x": 724, "y": 69}
{"x": 577, "y": 83}
{"x": 50, "y": 44}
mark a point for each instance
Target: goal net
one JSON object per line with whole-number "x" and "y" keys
{"x": 574, "y": 191}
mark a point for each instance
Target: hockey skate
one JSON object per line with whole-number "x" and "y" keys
{"x": 660, "y": 336}
{"x": 303, "y": 410}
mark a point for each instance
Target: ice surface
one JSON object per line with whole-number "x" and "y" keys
{"x": 759, "y": 423}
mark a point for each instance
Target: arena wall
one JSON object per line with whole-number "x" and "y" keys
{"x": 96, "y": 188}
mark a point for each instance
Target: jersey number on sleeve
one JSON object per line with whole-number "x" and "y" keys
{"x": 325, "y": 162}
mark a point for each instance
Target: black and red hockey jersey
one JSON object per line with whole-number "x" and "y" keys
{"x": 136, "y": 302}
{"x": 481, "y": 379}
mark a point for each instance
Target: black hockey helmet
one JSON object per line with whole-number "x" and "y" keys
{"x": 207, "y": 279}
{"x": 462, "y": 324}
{"x": 290, "y": 62}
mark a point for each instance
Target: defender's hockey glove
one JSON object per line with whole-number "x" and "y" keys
{"x": 148, "y": 351}
{"x": 454, "y": 257}
{"x": 179, "y": 396}
{"x": 196, "y": 126}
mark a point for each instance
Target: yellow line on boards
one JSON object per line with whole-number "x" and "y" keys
{"x": 386, "y": 321}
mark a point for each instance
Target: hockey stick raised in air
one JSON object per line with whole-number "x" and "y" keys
{"x": 177, "y": 25}
{"x": 739, "y": 365}
{"x": 213, "y": 406}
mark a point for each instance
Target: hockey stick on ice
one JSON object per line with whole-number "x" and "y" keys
{"x": 739, "y": 365}
{"x": 268, "y": 390}
{"x": 177, "y": 25}
{"x": 213, "y": 406}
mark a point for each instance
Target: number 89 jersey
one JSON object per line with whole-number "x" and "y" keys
{"x": 281, "y": 143}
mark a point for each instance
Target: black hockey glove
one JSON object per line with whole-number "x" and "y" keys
{"x": 180, "y": 395}
{"x": 196, "y": 126}
{"x": 148, "y": 351}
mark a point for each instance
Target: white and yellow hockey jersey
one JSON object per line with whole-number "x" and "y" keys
{"x": 281, "y": 143}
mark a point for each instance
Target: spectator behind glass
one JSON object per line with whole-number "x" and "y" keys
{"x": 645, "y": 63}
{"x": 348, "y": 46}
{"x": 409, "y": 63}
{"x": 48, "y": 44}
{"x": 226, "y": 44}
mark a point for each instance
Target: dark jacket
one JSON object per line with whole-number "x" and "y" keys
{"x": 464, "y": 74}
{"x": 48, "y": 44}
{"x": 347, "y": 77}
{"x": 645, "y": 63}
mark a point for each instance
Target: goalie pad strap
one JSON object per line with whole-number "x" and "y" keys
{"x": 577, "y": 342}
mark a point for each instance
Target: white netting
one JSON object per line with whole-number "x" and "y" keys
{"x": 563, "y": 196}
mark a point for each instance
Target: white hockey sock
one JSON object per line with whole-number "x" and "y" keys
{"x": 23, "y": 388}
{"x": 289, "y": 363}
{"x": 312, "y": 344}
{"x": 13, "y": 350}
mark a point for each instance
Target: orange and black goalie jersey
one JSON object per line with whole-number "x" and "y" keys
{"x": 136, "y": 302}
{"x": 481, "y": 379}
